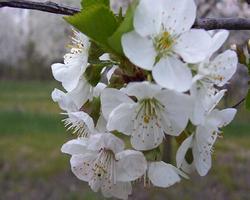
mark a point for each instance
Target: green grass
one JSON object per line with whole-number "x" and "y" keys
{"x": 31, "y": 135}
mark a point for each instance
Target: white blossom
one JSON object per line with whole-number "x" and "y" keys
{"x": 102, "y": 162}
{"x": 211, "y": 74}
{"x": 162, "y": 36}
{"x": 154, "y": 113}
{"x": 75, "y": 63}
{"x": 201, "y": 142}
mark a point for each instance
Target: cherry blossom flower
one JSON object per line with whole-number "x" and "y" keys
{"x": 201, "y": 142}
{"x": 75, "y": 63}
{"x": 102, "y": 162}
{"x": 162, "y": 36}
{"x": 155, "y": 112}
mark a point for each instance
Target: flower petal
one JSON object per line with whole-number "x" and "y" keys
{"x": 139, "y": 50}
{"x": 178, "y": 16}
{"x": 76, "y": 146}
{"x": 203, "y": 102}
{"x": 172, "y": 74}
{"x": 141, "y": 90}
{"x": 131, "y": 165}
{"x": 81, "y": 166}
{"x": 98, "y": 89}
{"x": 120, "y": 190}
{"x": 182, "y": 150}
{"x": 107, "y": 141}
{"x": 81, "y": 94}
{"x": 162, "y": 174}
{"x": 120, "y": 118}
{"x": 202, "y": 152}
{"x": 76, "y": 117}
{"x": 64, "y": 101}
{"x": 147, "y": 18}
{"x": 193, "y": 46}
{"x": 221, "y": 118}
{"x": 110, "y": 99}
{"x": 218, "y": 40}
{"x": 101, "y": 125}
{"x": 223, "y": 67}
{"x": 176, "y": 111}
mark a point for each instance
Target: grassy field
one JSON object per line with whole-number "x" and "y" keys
{"x": 32, "y": 167}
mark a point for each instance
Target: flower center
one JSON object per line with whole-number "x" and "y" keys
{"x": 104, "y": 171}
{"x": 148, "y": 109}
{"x": 163, "y": 44}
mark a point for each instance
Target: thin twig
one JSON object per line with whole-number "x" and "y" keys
{"x": 239, "y": 103}
{"x": 204, "y": 23}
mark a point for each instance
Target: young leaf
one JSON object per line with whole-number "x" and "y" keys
{"x": 125, "y": 27}
{"x": 248, "y": 100}
{"x": 97, "y": 22}
{"x": 87, "y": 3}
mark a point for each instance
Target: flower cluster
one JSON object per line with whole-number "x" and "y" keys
{"x": 168, "y": 81}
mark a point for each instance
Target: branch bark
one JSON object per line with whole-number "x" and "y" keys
{"x": 47, "y": 6}
{"x": 51, "y": 7}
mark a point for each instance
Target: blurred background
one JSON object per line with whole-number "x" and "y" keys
{"x": 31, "y": 131}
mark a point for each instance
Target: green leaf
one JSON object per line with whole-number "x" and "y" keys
{"x": 248, "y": 100}
{"x": 125, "y": 27}
{"x": 88, "y": 3}
{"x": 97, "y": 22}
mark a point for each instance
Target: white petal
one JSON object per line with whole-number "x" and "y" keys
{"x": 76, "y": 146}
{"x": 172, "y": 74}
{"x": 110, "y": 99}
{"x": 120, "y": 118}
{"x": 139, "y": 50}
{"x": 104, "y": 57}
{"x": 98, "y": 89}
{"x": 218, "y": 40}
{"x": 178, "y": 16}
{"x": 223, "y": 67}
{"x": 182, "y": 150}
{"x": 120, "y": 190}
{"x": 64, "y": 101}
{"x": 202, "y": 153}
{"x": 147, "y": 18}
{"x": 83, "y": 117}
{"x": 131, "y": 165}
{"x": 176, "y": 113}
{"x": 111, "y": 72}
{"x": 141, "y": 90}
{"x": 193, "y": 46}
{"x": 81, "y": 166}
{"x": 147, "y": 138}
{"x": 101, "y": 125}
{"x": 162, "y": 174}
{"x": 203, "y": 102}
{"x": 82, "y": 93}
{"x": 107, "y": 141}
{"x": 221, "y": 118}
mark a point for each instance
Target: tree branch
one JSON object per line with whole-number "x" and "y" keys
{"x": 47, "y": 6}
{"x": 51, "y": 7}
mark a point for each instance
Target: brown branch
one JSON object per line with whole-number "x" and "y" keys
{"x": 47, "y": 6}
{"x": 223, "y": 23}
{"x": 205, "y": 23}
